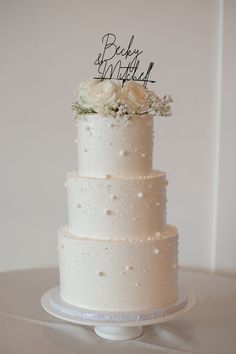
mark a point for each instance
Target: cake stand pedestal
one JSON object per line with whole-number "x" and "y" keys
{"x": 118, "y": 332}
{"x": 116, "y": 325}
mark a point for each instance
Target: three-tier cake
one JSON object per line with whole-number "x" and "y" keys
{"x": 117, "y": 252}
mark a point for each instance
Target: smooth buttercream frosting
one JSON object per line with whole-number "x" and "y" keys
{"x": 117, "y": 252}
{"x": 114, "y": 146}
{"x": 116, "y": 208}
{"x": 118, "y": 275}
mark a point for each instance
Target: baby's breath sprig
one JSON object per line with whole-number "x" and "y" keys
{"x": 78, "y": 109}
{"x": 159, "y": 106}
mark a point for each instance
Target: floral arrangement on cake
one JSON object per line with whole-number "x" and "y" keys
{"x": 111, "y": 98}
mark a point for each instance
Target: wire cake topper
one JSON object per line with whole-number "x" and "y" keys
{"x": 115, "y": 62}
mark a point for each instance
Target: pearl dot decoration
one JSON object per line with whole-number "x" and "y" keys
{"x": 140, "y": 194}
{"x": 66, "y": 184}
{"x": 129, "y": 267}
{"x": 143, "y": 155}
{"x": 158, "y": 234}
{"x": 61, "y": 246}
{"x": 150, "y": 238}
{"x": 107, "y": 211}
{"x": 137, "y": 284}
{"x": 156, "y": 251}
{"x": 123, "y": 153}
{"x": 113, "y": 197}
{"x": 76, "y": 141}
{"x": 135, "y": 219}
{"x": 157, "y": 204}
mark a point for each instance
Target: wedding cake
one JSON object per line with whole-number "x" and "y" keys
{"x": 117, "y": 253}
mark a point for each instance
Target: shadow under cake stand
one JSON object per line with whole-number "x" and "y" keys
{"x": 116, "y": 325}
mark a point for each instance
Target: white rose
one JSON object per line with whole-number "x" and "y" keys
{"x": 105, "y": 93}
{"x": 135, "y": 96}
{"x": 84, "y": 92}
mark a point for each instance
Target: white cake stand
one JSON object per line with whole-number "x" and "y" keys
{"x": 116, "y": 325}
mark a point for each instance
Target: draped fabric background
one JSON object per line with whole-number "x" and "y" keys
{"x": 48, "y": 47}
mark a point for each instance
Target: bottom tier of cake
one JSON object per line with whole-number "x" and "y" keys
{"x": 126, "y": 275}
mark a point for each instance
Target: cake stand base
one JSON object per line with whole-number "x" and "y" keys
{"x": 116, "y": 325}
{"x": 118, "y": 332}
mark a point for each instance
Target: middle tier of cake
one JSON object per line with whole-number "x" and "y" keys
{"x": 115, "y": 208}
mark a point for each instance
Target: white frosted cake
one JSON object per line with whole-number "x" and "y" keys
{"x": 117, "y": 252}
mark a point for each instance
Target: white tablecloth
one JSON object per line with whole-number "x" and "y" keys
{"x": 25, "y": 328}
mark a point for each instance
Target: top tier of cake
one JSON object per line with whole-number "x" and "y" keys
{"x": 114, "y": 146}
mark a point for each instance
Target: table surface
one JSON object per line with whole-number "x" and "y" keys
{"x": 25, "y": 328}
